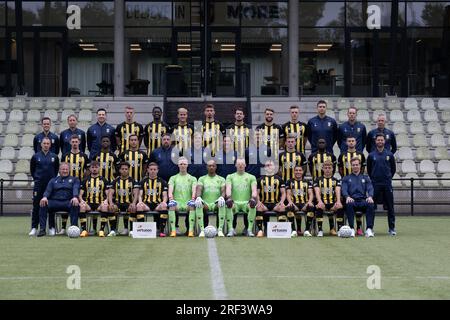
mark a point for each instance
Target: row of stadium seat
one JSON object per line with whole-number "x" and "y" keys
{"x": 420, "y": 140}
{"x": 36, "y": 115}
{"x": 50, "y": 103}
{"x": 391, "y": 104}
{"x": 395, "y": 115}
{"x": 418, "y": 127}
{"x": 425, "y": 166}
{"x": 422, "y": 153}
{"x": 15, "y": 127}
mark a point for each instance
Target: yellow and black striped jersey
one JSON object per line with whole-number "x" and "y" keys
{"x": 299, "y": 190}
{"x": 123, "y": 132}
{"x": 183, "y": 136}
{"x": 344, "y": 164}
{"x": 153, "y": 189}
{"x": 108, "y": 164}
{"x": 123, "y": 190}
{"x": 300, "y": 131}
{"x": 94, "y": 189}
{"x": 153, "y": 133}
{"x": 240, "y": 137}
{"x": 316, "y": 161}
{"x": 269, "y": 189}
{"x": 78, "y": 163}
{"x": 287, "y": 162}
{"x": 137, "y": 160}
{"x": 327, "y": 188}
{"x": 271, "y": 138}
{"x": 212, "y": 133}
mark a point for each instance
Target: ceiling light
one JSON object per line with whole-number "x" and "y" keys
{"x": 86, "y": 45}
{"x": 90, "y": 49}
{"x": 324, "y": 45}
{"x": 320, "y": 49}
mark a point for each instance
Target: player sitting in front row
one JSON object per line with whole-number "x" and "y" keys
{"x": 93, "y": 188}
{"x": 153, "y": 197}
{"x": 182, "y": 196}
{"x": 122, "y": 198}
{"x": 271, "y": 197}
{"x": 241, "y": 195}
{"x": 300, "y": 196}
{"x": 328, "y": 196}
{"x": 212, "y": 188}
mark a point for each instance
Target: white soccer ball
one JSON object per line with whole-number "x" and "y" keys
{"x": 345, "y": 232}
{"x": 210, "y": 231}
{"x": 73, "y": 232}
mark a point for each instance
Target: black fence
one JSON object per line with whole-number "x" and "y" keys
{"x": 412, "y": 197}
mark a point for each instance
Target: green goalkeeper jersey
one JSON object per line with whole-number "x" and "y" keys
{"x": 212, "y": 187}
{"x": 182, "y": 187}
{"x": 241, "y": 185}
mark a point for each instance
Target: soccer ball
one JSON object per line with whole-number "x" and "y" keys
{"x": 345, "y": 232}
{"x": 210, "y": 231}
{"x": 73, "y": 232}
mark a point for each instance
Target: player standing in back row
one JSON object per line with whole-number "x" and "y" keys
{"x": 126, "y": 129}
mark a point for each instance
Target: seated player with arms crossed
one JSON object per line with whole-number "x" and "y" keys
{"x": 122, "y": 197}
{"x": 241, "y": 195}
{"x": 300, "y": 196}
{"x": 328, "y": 196}
{"x": 212, "y": 188}
{"x": 271, "y": 197}
{"x": 93, "y": 188}
{"x": 182, "y": 196}
{"x": 153, "y": 197}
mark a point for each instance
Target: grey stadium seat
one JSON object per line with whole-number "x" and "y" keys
{"x": 437, "y": 140}
{"x": 16, "y": 115}
{"x": 433, "y": 183}
{"x": 69, "y": 103}
{"x": 85, "y": 116}
{"x": 405, "y": 153}
{"x": 342, "y": 117}
{"x": 363, "y": 116}
{"x": 19, "y": 180}
{"x": 25, "y": 153}
{"x": 408, "y": 166}
{"x": 22, "y": 166}
{"x": 407, "y": 183}
{"x": 396, "y": 183}
{"x": 396, "y": 115}
{"x": 6, "y": 166}
{"x": 87, "y": 104}
{"x": 377, "y": 104}
{"x": 420, "y": 140}
{"x": 393, "y": 104}
{"x": 430, "y": 115}
{"x": 445, "y": 183}
{"x": 13, "y": 127}
{"x": 2, "y": 115}
{"x": 416, "y": 127}
{"x": 31, "y": 127}
{"x": 399, "y": 127}
{"x": 19, "y": 104}
{"x": 343, "y": 104}
{"x": 4, "y": 103}
{"x": 423, "y": 153}
{"x": 11, "y": 140}
{"x": 427, "y": 104}
{"x": 5, "y": 178}
{"x": 426, "y": 166}
{"x": 444, "y": 104}
{"x": 445, "y": 116}
{"x": 360, "y": 104}
{"x": 27, "y": 140}
{"x": 447, "y": 128}
{"x": 36, "y": 104}
{"x": 403, "y": 140}
{"x": 434, "y": 127}
{"x": 413, "y": 115}
{"x": 410, "y": 103}
{"x": 441, "y": 153}
{"x": 65, "y": 114}
{"x": 8, "y": 153}
{"x": 443, "y": 166}
{"x": 33, "y": 116}
{"x": 52, "y": 104}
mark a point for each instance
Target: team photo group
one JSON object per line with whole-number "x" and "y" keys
{"x": 187, "y": 172}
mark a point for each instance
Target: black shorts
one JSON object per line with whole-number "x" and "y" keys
{"x": 123, "y": 207}
{"x": 151, "y": 205}
{"x": 270, "y": 206}
{"x": 93, "y": 206}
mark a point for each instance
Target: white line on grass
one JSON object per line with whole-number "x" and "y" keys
{"x": 218, "y": 286}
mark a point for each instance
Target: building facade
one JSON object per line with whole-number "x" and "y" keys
{"x": 279, "y": 48}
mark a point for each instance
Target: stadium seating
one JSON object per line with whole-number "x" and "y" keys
{"x": 441, "y": 153}
{"x": 396, "y": 183}
{"x": 65, "y": 114}
{"x": 342, "y": 117}
{"x": 31, "y": 127}
{"x": 430, "y": 115}
{"x": 329, "y": 113}
{"x": 405, "y": 153}
{"x": 360, "y": 104}
{"x": 11, "y": 140}
{"x": 419, "y": 140}
{"x": 8, "y": 153}
{"x": 393, "y": 104}
{"x": 445, "y": 183}
{"x": 85, "y": 116}
{"x": 36, "y": 104}
{"x": 433, "y": 183}
{"x": 426, "y": 166}
{"x": 27, "y": 140}
{"x": 16, "y": 115}
{"x": 445, "y": 115}
{"x": 444, "y": 104}
{"x": 4, "y": 103}
{"x": 69, "y": 103}
{"x": 52, "y": 114}
{"x": 422, "y": 153}
{"x": 84, "y": 126}
{"x": 427, "y": 104}
{"x": 22, "y": 166}
{"x": 5, "y": 177}
{"x": 407, "y": 183}
{"x": 408, "y": 166}
{"x": 434, "y": 127}
{"x": 437, "y": 140}
{"x": 19, "y": 104}
{"x": 363, "y": 115}
{"x": 447, "y": 128}
{"x": 396, "y": 115}
{"x": 377, "y": 104}
{"x": 2, "y": 115}
{"x": 443, "y": 166}
{"x": 87, "y": 104}
{"x": 413, "y": 115}
{"x": 6, "y": 166}
{"x": 399, "y": 127}
{"x": 410, "y": 104}
{"x": 25, "y": 153}
{"x": 52, "y": 104}
{"x": 416, "y": 127}
{"x": 33, "y": 115}
{"x": 376, "y": 113}
{"x": 13, "y": 127}
{"x": 403, "y": 140}
{"x": 343, "y": 104}
{"x": 1, "y": 127}
{"x": 18, "y": 180}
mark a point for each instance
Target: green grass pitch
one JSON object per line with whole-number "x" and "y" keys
{"x": 414, "y": 265}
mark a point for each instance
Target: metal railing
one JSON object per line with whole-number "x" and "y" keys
{"x": 408, "y": 199}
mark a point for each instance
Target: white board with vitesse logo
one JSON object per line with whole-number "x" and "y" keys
{"x": 144, "y": 230}
{"x": 279, "y": 230}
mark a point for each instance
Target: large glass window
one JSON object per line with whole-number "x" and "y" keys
{"x": 428, "y": 14}
{"x": 48, "y": 13}
{"x": 96, "y": 13}
{"x": 321, "y": 14}
{"x": 148, "y": 14}
{"x": 357, "y": 13}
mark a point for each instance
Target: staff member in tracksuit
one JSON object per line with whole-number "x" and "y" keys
{"x": 381, "y": 168}
{"x": 66, "y": 135}
{"x": 61, "y": 195}
{"x": 389, "y": 136}
{"x": 352, "y": 128}
{"x": 166, "y": 158}
{"x": 97, "y": 131}
{"x": 357, "y": 191}
{"x": 46, "y": 124}
{"x": 322, "y": 126}
{"x": 44, "y": 166}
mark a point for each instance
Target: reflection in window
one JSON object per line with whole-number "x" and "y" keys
{"x": 428, "y": 14}
{"x": 321, "y": 14}
{"x": 51, "y": 13}
{"x": 149, "y": 14}
{"x": 96, "y": 13}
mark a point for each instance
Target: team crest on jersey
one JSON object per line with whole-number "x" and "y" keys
{"x": 70, "y": 180}
{"x": 387, "y": 136}
{"x": 53, "y": 141}
{"x": 107, "y": 130}
{"x": 53, "y": 159}
{"x": 363, "y": 180}
{"x": 329, "y": 124}
{"x": 358, "y": 130}
{"x": 387, "y": 158}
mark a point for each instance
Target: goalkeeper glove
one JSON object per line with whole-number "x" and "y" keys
{"x": 229, "y": 203}
{"x": 191, "y": 203}
{"x": 172, "y": 204}
{"x": 199, "y": 202}
{"x": 252, "y": 203}
{"x": 220, "y": 202}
